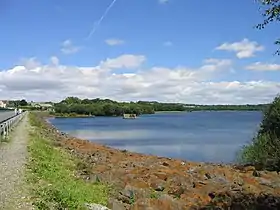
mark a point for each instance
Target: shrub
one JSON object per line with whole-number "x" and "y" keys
{"x": 265, "y": 147}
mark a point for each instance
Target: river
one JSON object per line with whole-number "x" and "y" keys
{"x": 196, "y": 136}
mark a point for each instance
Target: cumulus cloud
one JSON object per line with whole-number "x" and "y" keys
{"x": 54, "y": 81}
{"x": 113, "y": 42}
{"x": 67, "y": 47}
{"x": 124, "y": 61}
{"x": 243, "y": 49}
{"x": 258, "y": 66}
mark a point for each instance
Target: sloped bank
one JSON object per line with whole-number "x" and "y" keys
{"x": 149, "y": 182}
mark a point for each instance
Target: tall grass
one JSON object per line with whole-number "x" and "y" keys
{"x": 52, "y": 175}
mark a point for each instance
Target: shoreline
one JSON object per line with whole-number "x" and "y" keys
{"x": 165, "y": 182}
{"x": 157, "y": 112}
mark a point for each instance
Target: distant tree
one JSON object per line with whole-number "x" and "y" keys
{"x": 271, "y": 13}
{"x": 22, "y": 102}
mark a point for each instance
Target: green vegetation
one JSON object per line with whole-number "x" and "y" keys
{"x": 106, "y": 107}
{"x": 271, "y": 13}
{"x": 17, "y": 103}
{"x": 246, "y": 107}
{"x": 73, "y": 106}
{"x": 52, "y": 175}
{"x": 264, "y": 150}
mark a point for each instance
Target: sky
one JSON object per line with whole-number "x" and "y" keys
{"x": 203, "y": 52}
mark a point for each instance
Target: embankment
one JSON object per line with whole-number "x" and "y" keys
{"x": 135, "y": 181}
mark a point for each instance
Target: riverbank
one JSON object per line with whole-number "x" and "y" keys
{"x": 142, "y": 181}
{"x": 51, "y": 174}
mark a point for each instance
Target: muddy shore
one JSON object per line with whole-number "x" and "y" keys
{"x": 143, "y": 182}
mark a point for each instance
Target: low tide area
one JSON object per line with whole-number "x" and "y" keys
{"x": 196, "y": 136}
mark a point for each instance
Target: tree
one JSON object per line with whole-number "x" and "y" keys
{"x": 23, "y": 102}
{"x": 265, "y": 148}
{"x": 271, "y": 13}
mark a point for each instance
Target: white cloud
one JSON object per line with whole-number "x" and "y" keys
{"x": 258, "y": 66}
{"x": 54, "y": 60}
{"x": 124, "y": 61}
{"x": 168, "y": 44}
{"x": 243, "y": 49}
{"x": 163, "y": 1}
{"x": 67, "y": 47}
{"x": 113, "y": 42}
{"x": 201, "y": 85}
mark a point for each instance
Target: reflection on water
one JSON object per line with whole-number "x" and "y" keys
{"x": 107, "y": 135}
{"x": 196, "y": 136}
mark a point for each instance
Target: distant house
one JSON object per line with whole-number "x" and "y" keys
{"x": 3, "y": 104}
{"x": 42, "y": 105}
{"x": 129, "y": 116}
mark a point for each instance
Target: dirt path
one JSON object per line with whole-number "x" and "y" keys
{"x": 13, "y": 157}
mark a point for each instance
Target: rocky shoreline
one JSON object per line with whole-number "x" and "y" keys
{"x": 149, "y": 182}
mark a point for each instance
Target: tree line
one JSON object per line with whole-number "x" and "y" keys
{"x": 107, "y": 107}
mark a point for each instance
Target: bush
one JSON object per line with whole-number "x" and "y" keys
{"x": 264, "y": 150}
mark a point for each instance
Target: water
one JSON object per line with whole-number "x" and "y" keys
{"x": 196, "y": 136}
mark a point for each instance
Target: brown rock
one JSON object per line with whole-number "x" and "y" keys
{"x": 157, "y": 185}
{"x": 256, "y": 173}
{"x": 161, "y": 175}
{"x": 116, "y": 205}
{"x": 176, "y": 191}
{"x": 165, "y": 164}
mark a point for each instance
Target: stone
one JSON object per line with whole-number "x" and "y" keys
{"x": 220, "y": 180}
{"x": 176, "y": 191}
{"x": 161, "y": 175}
{"x": 266, "y": 182}
{"x": 157, "y": 185}
{"x": 208, "y": 176}
{"x": 115, "y": 205}
{"x": 165, "y": 164}
{"x": 93, "y": 206}
{"x": 256, "y": 173}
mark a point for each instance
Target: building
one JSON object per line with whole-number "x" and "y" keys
{"x": 129, "y": 116}
{"x": 3, "y": 104}
{"x": 42, "y": 106}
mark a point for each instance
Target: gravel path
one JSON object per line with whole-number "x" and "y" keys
{"x": 13, "y": 156}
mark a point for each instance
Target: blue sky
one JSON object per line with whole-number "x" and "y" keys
{"x": 171, "y": 36}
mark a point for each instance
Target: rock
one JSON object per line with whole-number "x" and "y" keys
{"x": 192, "y": 170}
{"x": 128, "y": 194}
{"x": 93, "y": 206}
{"x": 161, "y": 175}
{"x": 208, "y": 176}
{"x": 266, "y": 182}
{"x": 165, "y": 164}
{"x": 116, "y": 205}
{"x": 235, "y": 188}
{"x": 142, "y": 204}
{"x": 156, "y": 204}
{"x": 165, "y": 197}
{"x": 238, "y": 181}
{"x": 212, "y": 195}
{"x": 256, "y": 173}
{"x": 157, "y": 185}
{"x": 176, "y": 191}
{"x": 94, "y": 178}
{"x": 220, "y": 180}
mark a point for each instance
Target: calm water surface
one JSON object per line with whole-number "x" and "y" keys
{"x": 196, "y": 136}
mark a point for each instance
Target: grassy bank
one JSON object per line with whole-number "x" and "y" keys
{"x": 52, "y": 175}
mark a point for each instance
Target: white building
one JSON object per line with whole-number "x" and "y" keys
{"x": 3, "y": 104}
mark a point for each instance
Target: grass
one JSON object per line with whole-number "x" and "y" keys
{"x": 51, "y": 174}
